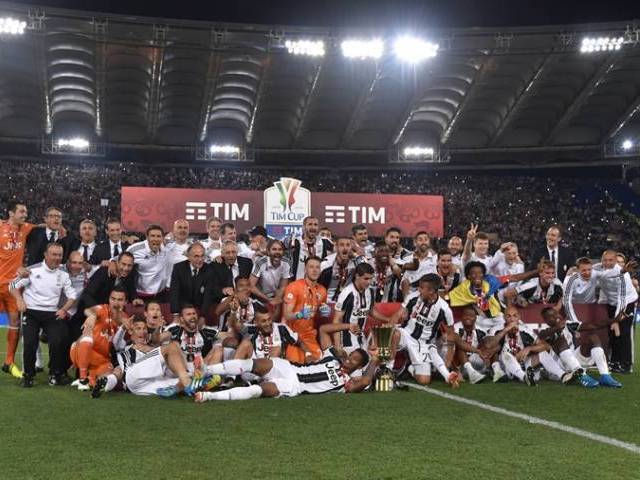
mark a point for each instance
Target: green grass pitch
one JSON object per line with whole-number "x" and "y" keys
{"x": 59, "y": 433}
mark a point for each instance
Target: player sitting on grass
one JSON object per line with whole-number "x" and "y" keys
{"x": 589, "y": 352}
{"x": 197, "y": 344}
{"x": 281, "y": 378}
{"x": 424, "y": 316}
{"x": 263, "y": 339}
{"x": 91, "y": 353}
{"x": 146, "y": 369}
{"x": 518, "y": 346}
{"x": 468, "y": 352}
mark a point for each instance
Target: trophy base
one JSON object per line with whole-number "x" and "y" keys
{"x": 384, "y": 381}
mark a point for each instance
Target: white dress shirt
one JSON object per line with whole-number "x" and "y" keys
{"x": 152, "y": 267}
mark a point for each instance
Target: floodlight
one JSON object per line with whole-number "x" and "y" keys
{"x": 75, "y": 143}
{"x": 601, "y": 44}
{"x": 11, "y": 26}
{"x": 417, "y": 152}
{"x": 224, "y": 150}
{"x": 363, "y": 48}
{"x": 313, "y": 48}
{"x": 414, "y": 50}
{"x": 627, "y": 145}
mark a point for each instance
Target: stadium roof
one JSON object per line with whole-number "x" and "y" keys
{"x": 145, "y": 83}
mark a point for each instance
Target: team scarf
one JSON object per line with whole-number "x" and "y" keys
{"x": 464, "y": 294}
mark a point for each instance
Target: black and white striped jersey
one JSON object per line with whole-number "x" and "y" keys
{"x": 472, "y": 338}
{"x": 193, "y": 344}
{"x": 131, "y": 356}
{"x": 281, "y": 336}
{"x": 356, "y": 307}
{"x": 516, "y": 341}
{"x": 323, "y": 376}
{"x": 425, "y": 319}
{"x": 533, "y": 292}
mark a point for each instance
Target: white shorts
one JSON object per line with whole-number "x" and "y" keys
{"x": 285, "y": 378}
{"x": 585, "y": 362}
{"x": 149, "y": 373}
{"x": 418, "y": 351}
{"x": 476, "y": 362}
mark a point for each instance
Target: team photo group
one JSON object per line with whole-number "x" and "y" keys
{"x": 241, "y": 315}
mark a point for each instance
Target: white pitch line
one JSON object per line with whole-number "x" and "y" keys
{"x": 632, "y": 447}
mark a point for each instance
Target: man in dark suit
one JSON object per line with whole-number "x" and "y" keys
{"x": 102, "y": 282}
{"x": 112, "y": 247}
{"x": 229, "y": 270}
{"x": 561, "y": 256}
{"x": 191, "y": 283}
{"x": 51, "y": 232}
{"x": 86, "y": 244}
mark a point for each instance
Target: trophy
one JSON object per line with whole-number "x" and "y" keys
{"x": 384, "y": 377}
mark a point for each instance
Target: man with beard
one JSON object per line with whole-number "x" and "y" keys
{"x": 337, "y": 269}
{"x": 447, "y": 272}
{"x": 152, "y": 260}
{"x": 455, "y": 249}
{"x": 387, "y": 274}
{"x": 91, "y": 353}
{"x": 310, "y": 244}
{"x": 303, "y": 300}
{"x": 270, "y": 276}
{"x": 362, "y": 246}
{"x": 418, "y": 264}
{"x": 392, "y": 238}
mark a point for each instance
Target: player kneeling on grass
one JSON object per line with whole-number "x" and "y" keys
{"x": 519, "y": 348}
{"x": 424, "y": 316}
{"x": 590, "y": 351}
{"x": 145, "y": 369}
{"x": 280, "y": 378}
{"x": 90, "y": 354}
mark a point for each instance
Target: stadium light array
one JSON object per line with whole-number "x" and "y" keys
{"x": 312, "y": 48}
{"x": 627, "y": 145}
{"x": 414, "y": 50}
{"x": 363, "y": 49}
{"x": 601, "y": 44}
{"x": 417, "y": 152}
{"x": 11, "y": 26}
{"x": 224, "y": 150}
{"x": 75, "y": 143}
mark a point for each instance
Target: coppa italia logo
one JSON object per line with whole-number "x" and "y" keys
{"x": 287, "y": 188}
{"x": 285, "y": 206}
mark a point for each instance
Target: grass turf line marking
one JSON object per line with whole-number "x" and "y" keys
{"x": 632, "y": 447}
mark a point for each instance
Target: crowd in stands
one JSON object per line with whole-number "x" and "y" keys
{"x": 509, "y": 208}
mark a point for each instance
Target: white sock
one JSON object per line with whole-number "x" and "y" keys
{"x": 437, "y": 362}
{"x": 495, "y": 366}
{"x": 39, "y": 356}
{"x": 250, "y": 377}
{"x": 569, "y": 360}
{"x": 468, "y": 368}
{"x": 598, "y": 356}
{"x": 230, "y": 367}
{"x": 238, "y": 393}
{"x": 512, "y": 366}
{"x": 551, "y": 366}
{"x": 412, "y": 371}
{"x": 112, "y": 381}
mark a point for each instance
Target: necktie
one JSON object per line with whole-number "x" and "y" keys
{"x": 230, "y": 276}
{"x": 195, "y": 272}
{"x": 52, "y": 237}
{"x": 553, "y": 256}
{"x": 85, "y": 252}
{"x": 116, "y": 251}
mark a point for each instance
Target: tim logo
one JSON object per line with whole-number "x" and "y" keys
{"x": 286, "y": 203}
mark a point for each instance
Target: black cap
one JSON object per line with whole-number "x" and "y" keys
{"x": 258, "y": 230}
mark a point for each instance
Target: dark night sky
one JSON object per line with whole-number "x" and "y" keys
{"x": 372, "y": 13}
